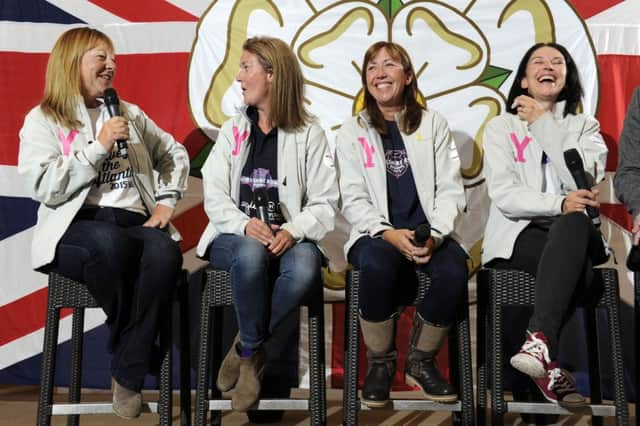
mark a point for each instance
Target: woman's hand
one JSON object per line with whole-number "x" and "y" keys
{"x": 577, "y": 201}
{"x": 402, "y": 240}
{"x": 113, "y": 129}
{"x": 282, "y": 241}
{"x": 528, "y": 108}
{"x": 259, "y": 230}
{"x": 160, "y": 217}
{"x": 635, "y": 231}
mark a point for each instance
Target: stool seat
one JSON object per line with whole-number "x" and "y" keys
{"x": 216, "y": 295}
{"x": 64, "y": 292}
{"x": 498, "y": 288}
{"x": 459, "y": 359}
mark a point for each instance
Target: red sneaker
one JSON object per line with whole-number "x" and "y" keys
{"x": 533, "y": 357}
{"x": 559, "y": 387}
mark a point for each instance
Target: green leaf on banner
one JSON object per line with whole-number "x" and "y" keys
{"x": 390, "y": 7}
{"x": 494, "y": 76}
{"x": 199, "y": 159}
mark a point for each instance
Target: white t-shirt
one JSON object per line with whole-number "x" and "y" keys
{"x": 114, "y": 186}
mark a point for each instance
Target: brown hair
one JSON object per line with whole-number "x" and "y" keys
{"x": 413, "y": 110}
{"x": 287, "y": 107}
{"x": 63, "y": 82}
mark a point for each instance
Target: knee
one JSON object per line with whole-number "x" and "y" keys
{"x": 250, "y": 254}
{"x": 572, "y": 223}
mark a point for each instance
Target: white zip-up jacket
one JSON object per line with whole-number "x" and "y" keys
{"x": 362, "y": 170}
{"x": 514, "y": 173}
{"x": 307, "y": 186}
{"x": 60, "y": 165}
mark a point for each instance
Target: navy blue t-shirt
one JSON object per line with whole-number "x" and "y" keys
{"x": 405, "y": 210}
{"x": 261, "y": 170}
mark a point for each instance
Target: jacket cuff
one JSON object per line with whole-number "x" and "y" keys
{"x": 297, "y": 234}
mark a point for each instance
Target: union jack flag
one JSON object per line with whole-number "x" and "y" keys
{"x": 153, "y": 40}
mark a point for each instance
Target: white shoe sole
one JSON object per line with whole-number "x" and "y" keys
{"x": 528, "y": 365}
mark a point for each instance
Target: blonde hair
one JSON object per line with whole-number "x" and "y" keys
{"x": 63, "y": 82}
{"x": 287, "y": 107}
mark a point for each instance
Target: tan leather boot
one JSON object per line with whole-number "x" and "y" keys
{"x": 248, "y": 386}
{"x": 126, "y": 403}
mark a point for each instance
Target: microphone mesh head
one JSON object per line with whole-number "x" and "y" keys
{"x": 110, "y": 96}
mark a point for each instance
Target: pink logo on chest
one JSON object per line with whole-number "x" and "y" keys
{"x": 368, "y": 152}
{"x": 239, "y": 138}
{"x": 66, "y": 141}
{"x": 520, "y": 147}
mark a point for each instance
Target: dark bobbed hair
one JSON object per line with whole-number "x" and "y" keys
{"x": 571, "y": 92}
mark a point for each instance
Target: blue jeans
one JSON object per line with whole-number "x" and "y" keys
{"x": 131, "y": 271}
{"x": 388, "y": 280}
{"x": 265, "y": 288}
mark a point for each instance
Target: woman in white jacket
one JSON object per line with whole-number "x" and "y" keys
{"x": 104, "y": 217}
{"x": 537, "y": 221}
{"x": 270, "y": 192}
{"x": 398, "y": 170}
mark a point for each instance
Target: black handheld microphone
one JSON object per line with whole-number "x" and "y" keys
{"x": 261, "y": 201}
{"x": 576, "y": 167}
{"x": 113, "y": 106}
{"x": 422, "y": 234}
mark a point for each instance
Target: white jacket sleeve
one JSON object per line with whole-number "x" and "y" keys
{"x": 222, "y": 211}
{"x": 449, "y": 199}
{"x": 514, "y": 198}
{"x": 357, "y": 206}
{"x": 555, "y": 139}
{"x": 320, "y": 201}
{"x": 53, "y": 176}
{"x": 170, "y": 159}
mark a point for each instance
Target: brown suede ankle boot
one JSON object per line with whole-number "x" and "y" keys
{"x": 230, "y": 368}
{"x": 248, "y": 386}
{"x": 126, "y": 403}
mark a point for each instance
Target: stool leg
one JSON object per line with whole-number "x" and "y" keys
{"x": 217, "y": 354}
{"x": 202, "y": 385}
{"x": 185, "y": 355}
{"x": 317, "y": 391}
{"x": 350, "y": 401}
{"x": 77, "y": 329}
{"x": 482, "y": 325}
{"x": 594, "y": 367}
{"x": 497, "y": 391}
{"x": 48, "y": 364}
{"x": 622, "y": 409}
{"x": 463, "y": 355}
{"x": 164, "y": 402}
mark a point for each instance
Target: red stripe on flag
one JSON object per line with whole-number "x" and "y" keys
{"x": 588, "y": 8}
{"x": 21, "y": 90}
{"x": 191, "y": 224}
{"x": 618, "y": 78}
{"x": 145, "y": 10}
{"x": 24, "y": 316}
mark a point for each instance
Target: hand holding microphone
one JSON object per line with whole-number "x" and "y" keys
{"x": 422, "y": 239}
{"x": 584, "y": 195}
{"x": 259, "y": 227}
{"x": 112, "y": 103}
